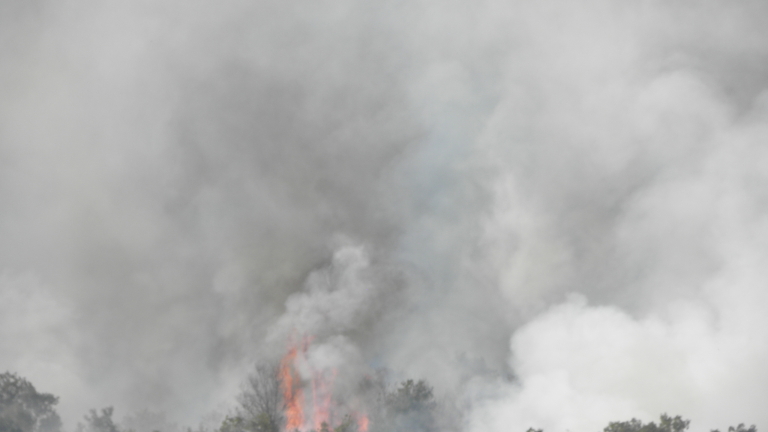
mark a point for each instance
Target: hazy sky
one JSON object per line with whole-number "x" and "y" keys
{"x": 554, "y": 211}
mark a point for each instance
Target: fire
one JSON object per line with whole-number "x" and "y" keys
{"x": 292, "y": 392}
{"x": 362, "y": 423}
{"x": 324, "y": 409}
{"x": 321, "y": 398}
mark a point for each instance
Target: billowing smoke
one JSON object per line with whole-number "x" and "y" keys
{"x": 552, "y": 211}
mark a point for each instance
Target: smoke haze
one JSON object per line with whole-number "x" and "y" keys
{"x": 553, "y": 211}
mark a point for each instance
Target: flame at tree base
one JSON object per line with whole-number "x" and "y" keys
{"x": 362, "y": 423}
{"x": 292, "y": 391}
{"x": 325, "y": 410}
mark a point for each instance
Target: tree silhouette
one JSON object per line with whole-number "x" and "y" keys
{"x": 666, "y": 424}
{"x": 23, "y": 409}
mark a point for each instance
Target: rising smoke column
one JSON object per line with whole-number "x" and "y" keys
{"x": 333, "y": 303}
{"x": 173, "y": 171}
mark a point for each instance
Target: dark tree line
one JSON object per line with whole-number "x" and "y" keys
{"x": 666, "y": 424}
{"x": 409, "y": 407}
{"x": 24, "y": 409}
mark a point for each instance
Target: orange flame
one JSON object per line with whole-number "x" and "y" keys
{"x": 321, "y": 398}
{"x": 362, "y": 423}
{"x": 322, "y": 395}
{"x": 292, "y": 394}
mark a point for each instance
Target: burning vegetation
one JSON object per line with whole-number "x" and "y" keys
{"x": 275, "y": 401}
{"x": 319, "y": 410}
{"x": 292, "y": 395}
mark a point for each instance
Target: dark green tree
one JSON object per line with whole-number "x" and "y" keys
{"x": 666, "y": 424}
{"x": 233, "y": 423}
{"x": 23, "y": 409}
{"x": 739, "y": 428}
{"x": 411, "y": 407}
{"x": 348, "y": 424}
{"x": 412, "y": 396}
{"x": 95, "y": 422}
{"x": 261, "y": 402}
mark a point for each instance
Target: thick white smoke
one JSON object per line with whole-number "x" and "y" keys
{"x": 556, "y": 208}
{"x": 631, "y": 175}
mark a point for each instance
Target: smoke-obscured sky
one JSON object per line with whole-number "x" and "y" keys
{"x": 554, "y": 211}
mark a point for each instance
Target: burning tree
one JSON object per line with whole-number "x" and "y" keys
{"x": 292, "y": 391}
{"x": 277, "y": 398}
{"x": 309, "y": 400}
{"x": 301, "y": 394}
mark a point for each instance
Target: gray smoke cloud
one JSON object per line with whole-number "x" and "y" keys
{"x": 552, "y": 211}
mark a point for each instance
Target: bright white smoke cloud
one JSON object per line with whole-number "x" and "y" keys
{"x": 568, "y": 194}
{"x": 637, "y": 184}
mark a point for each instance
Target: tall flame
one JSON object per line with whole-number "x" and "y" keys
{"x": 322, "y": 395}
{"x": 362, "y": 423}
{"x": 293, "y": 395}
{"x": 321, "y": 398}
